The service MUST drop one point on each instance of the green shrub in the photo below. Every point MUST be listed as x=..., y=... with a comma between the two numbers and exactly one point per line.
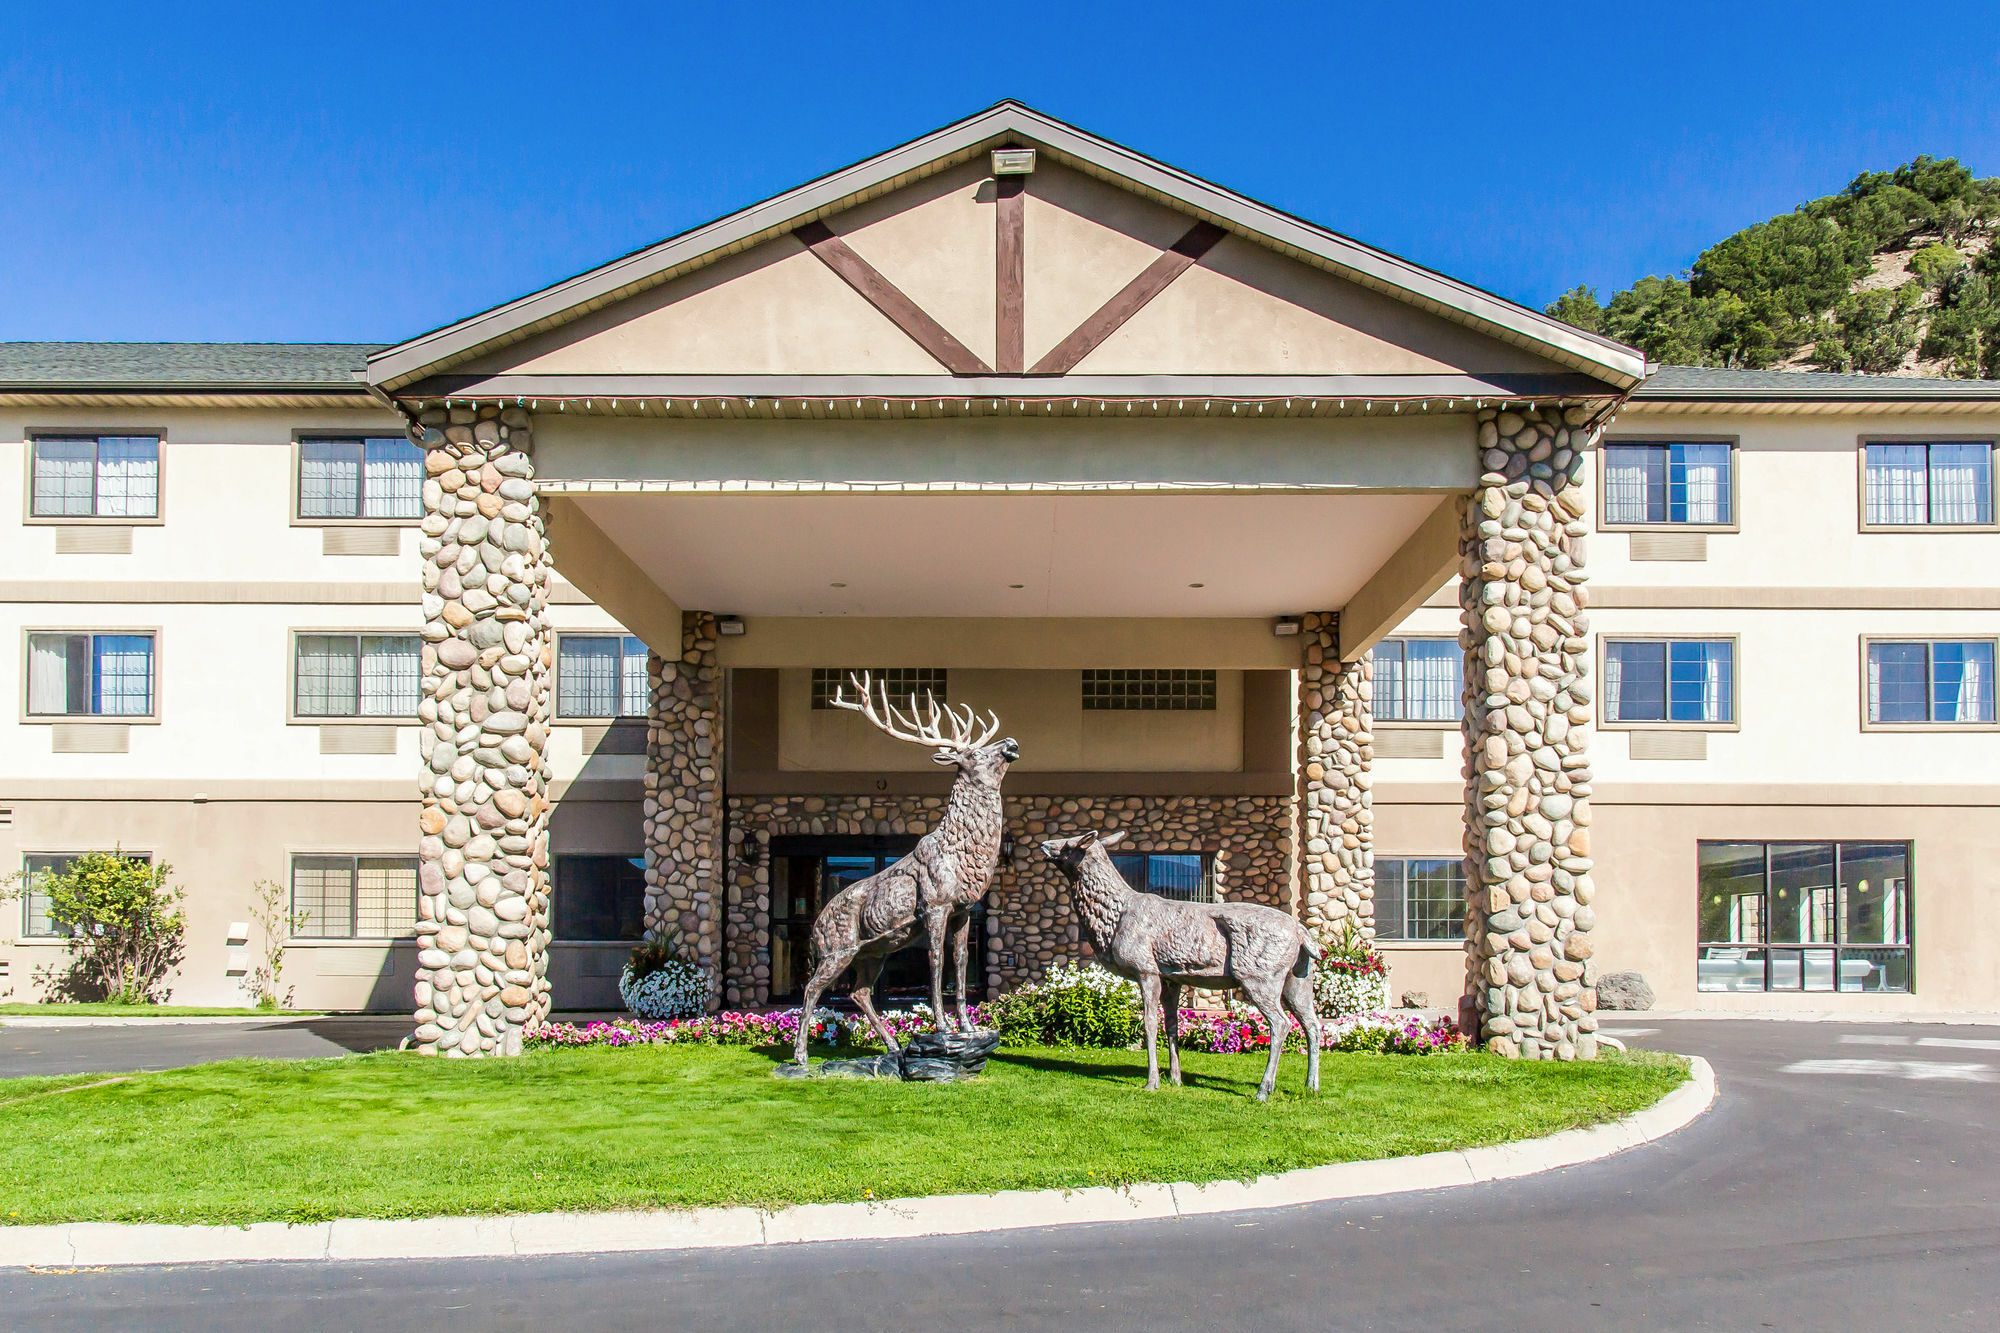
x=1933, y=264
x=126, y=929
x=1074, y=1005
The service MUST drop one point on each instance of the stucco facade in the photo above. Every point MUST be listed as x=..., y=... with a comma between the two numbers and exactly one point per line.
x=1277, y=450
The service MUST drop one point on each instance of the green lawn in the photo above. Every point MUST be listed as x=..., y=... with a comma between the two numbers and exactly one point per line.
x=105, y=1009
x=398, y=1135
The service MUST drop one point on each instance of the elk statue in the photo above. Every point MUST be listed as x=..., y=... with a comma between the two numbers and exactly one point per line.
x=1165, y=945
x=930, y=892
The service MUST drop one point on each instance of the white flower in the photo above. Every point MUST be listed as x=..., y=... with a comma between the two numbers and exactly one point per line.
x=678, y=989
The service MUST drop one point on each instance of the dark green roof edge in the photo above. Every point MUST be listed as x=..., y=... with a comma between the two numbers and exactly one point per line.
x=183, y=367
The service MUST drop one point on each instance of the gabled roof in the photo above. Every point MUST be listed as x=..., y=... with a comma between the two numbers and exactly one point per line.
x=1713, y=384
x=1008, y=123
x=139, y=367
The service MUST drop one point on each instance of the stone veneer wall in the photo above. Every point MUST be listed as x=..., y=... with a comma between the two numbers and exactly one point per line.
x=483, y=900
x=1335, y=805
x=1527, y=729
x=683, y=814
x=1029, y=917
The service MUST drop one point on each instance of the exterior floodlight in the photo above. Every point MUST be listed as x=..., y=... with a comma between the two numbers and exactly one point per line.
x=1285, y=626
x=1013, y=161
x=730, y=625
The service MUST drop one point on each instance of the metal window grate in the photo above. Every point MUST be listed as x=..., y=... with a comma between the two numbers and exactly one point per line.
x=1149, y=691
x=901, y=683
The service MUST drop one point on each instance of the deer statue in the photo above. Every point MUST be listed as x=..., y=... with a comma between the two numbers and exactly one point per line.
x=1165, y=945
x=930, y=892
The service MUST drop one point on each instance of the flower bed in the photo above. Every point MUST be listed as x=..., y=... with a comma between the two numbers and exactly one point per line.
x=1242, y=1028
x=777, y=1028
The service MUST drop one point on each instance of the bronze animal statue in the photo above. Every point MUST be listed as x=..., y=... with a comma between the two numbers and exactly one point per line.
x=1164, y=945
x=930, y=892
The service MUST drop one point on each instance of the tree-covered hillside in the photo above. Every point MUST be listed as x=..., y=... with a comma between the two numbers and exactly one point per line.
x=1896, y=274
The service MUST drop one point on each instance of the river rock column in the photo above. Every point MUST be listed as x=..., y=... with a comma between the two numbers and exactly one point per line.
x=1527, y=738
x=1336, y=808
x=684, y=811
x=482, y=878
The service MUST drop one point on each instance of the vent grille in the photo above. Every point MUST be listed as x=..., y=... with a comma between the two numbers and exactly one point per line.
x=93, y=541
x=74, y=738
x=355, y=962
x=360, y=541
x=6, y=816
x=901, y=683
x=1149, y=691
x=357, y=740
x=1670, y=546
x=1413, y=744
x=614, y=738
x=1669, y=744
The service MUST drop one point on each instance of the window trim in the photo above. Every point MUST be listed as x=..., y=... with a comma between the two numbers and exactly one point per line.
x=1917, y=529
x=21, y=935
x=294, y=718
x=34, y=434
x=1909, y=946
x=554, y=939
x=297, y=451
x=1735, y=524
x=1209, y=857
x=560, y=719
x=1735, y=642
x=151, y=719
x=1923, y=728
x=1423, y=724
x=292, y=854
x=1452, y=944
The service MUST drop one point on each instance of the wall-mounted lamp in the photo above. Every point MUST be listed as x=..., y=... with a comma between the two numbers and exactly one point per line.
x=731, y=626
x=1285, y=626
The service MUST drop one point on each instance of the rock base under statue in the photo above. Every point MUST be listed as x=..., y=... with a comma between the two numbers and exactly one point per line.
x=930, y=1057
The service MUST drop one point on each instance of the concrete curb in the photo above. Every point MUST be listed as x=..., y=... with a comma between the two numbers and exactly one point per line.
x=105, y=1244
x=26, y=1021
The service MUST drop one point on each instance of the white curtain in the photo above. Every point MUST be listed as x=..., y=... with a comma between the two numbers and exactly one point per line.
x=392, y=484
x=48, y=674
x=128, y=476
x=1391, y=683
x=1717, y=701
x=1896, y=484
x=329, y=479
x=1705, y=482
x=634, y=701
x=326, y=675
x=1961, y=483
x=1626, y=474
x=588, y=676
x=1614, y=684
x=1434, y=681
x=389, y=672
x=64, y=473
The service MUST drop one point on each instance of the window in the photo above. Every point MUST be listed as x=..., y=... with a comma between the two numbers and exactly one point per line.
x=35, y=922
x=1186, y=876
x=97, y=476
x=1811, y=916
x=1418, y=680
x=1653, y=680
x=1149, y=691
x=356, y=675
x=90, y=675
x=901, y=684
x=1930, y=681
x=601, y=675
x=355, y=897
x=369, y=478
x=600, y=897
x=1670, y=482
x=1419, y=898
x=1918, y=485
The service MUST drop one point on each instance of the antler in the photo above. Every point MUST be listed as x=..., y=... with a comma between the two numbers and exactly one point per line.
x=968, y=731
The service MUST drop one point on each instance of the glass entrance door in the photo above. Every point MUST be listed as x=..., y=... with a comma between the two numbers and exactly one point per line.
x=805, y=874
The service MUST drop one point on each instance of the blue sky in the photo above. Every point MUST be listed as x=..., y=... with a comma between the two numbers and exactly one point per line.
x=312, y=171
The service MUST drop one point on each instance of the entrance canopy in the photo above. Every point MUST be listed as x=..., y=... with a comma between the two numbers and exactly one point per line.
x=1008, y=371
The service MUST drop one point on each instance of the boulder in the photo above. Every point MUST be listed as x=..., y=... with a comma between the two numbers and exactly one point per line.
x=1624, y=990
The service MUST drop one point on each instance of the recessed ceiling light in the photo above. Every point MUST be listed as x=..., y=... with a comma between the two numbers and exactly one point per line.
x=836, y=585
x=1017, y=585
x=1197, y=585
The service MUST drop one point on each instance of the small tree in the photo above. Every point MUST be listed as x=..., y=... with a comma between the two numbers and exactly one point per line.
x=278, y=923
x=127, y=930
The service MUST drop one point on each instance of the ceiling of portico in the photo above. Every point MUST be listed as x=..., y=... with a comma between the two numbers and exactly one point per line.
x=1072, y=555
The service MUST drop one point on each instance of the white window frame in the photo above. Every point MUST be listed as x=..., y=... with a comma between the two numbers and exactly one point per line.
x=36, y=437
x=32, y=718
x=1606, y=698
x=625, y=655
x=1603, y=463
x=1992, y=483
x=354, y=891
x=292, y=714
x=1454, y=939
x=1869, y=641
x=300, y=519
x=1458, y=681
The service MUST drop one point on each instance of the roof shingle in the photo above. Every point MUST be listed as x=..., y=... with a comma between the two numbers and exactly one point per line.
x=55, y=365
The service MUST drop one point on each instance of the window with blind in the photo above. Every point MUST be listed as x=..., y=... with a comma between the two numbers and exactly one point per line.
x=600, y=897
x=600, y=675
x=1931, y=681
x=376, y=477
x=90, y=675
x=901, y=684
x=1669, y=482
x=356, y=675
x=1680, y=680
x=1419, y=898
x=355, y=897
x=96, y=476
x=1188, y=877
x=36, y=868
x=1149, y=691
x=1916, y=484
x=1419, y=680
